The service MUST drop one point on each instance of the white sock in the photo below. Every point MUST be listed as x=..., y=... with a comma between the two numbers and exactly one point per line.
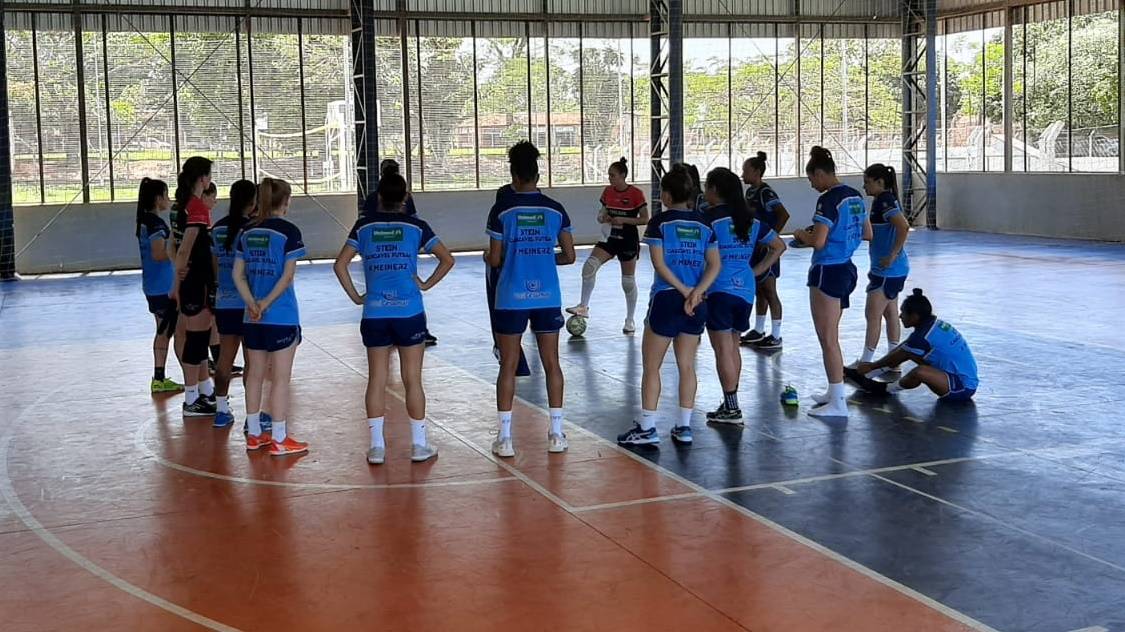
x=760, y=323
x=891, y=345
x=775, y=330
x=589, y=276
x=648, y=419
x=376, y=426
x=685, y=416
x=418, y=431
x=836, y=393
x=191, y=393
x=254, y=423
x=278, y=431
x=207, y=387
x=895, y=387
x=868, y=355
x=556, y=421
x=505, y=417
x=222, y=402
x=629, y=284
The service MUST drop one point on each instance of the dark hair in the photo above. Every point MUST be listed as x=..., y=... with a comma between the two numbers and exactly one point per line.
x=757, y=162
x=146, y=198
x=696, y=183
x=523, y=161
x=387, y=167
x=621, y=167
x=918, y=305
x=678, y=184
x=885, y=174
x=193, y=169
x=243, y=194
x=392, y=191
x=729, y=188
x=820, y=159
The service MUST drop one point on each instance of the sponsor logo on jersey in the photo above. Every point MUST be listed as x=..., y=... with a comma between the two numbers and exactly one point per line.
x=528, y=220
x=689, y=232
x=258, y=241
x=386, y=234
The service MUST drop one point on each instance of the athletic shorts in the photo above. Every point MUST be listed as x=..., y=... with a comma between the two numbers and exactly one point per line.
x=891, y=286
x=666, y=316
x=957, y=391
x=195, y=296
x=622, y=249
x=393, y=332
x=229, y=321
x=157, y=303
x=775, y=269
x=727, y=312
x=260, y=337
x=836, y=280
x=513, y=322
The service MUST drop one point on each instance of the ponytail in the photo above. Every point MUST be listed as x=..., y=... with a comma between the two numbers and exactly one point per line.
x=272, y=194
x=678, y=184
x=918, y=305
x=146, y=198
x=621, y=167
x=884, y=174
x=193, y=169
x=729, y=188
x=242, y=197
x=820, y=159
x=758, y=162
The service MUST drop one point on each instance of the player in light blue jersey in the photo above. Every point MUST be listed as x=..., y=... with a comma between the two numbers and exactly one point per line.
x=388, y=241
x=840, y=225
x=524, y=229
x=264, y=266
x=731, y=300
x=157, y=270
x=685, y=256
x=889, y=264
x=945, y=363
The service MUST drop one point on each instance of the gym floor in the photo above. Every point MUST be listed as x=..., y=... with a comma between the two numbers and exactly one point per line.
x=1006, y=514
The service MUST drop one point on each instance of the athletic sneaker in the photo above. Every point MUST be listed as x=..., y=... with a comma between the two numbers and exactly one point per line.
x=166, y=386
x=752, y=337
x=864, y=382
x=222, y=420
x=502, y=447
x=258, y=442
x=556, y=443
x=630, y=327
x=838, y=410
x=288, y=447
x=682, y=434
x=789, y=396
x=579, y=310
x=419, y=453
x=264, y=420
x=236, y=370
x=199, y=408
x=637, y=436
x=431, y=339
x=724, y=415
x=211, y=399
x=768, y=343
x=376, y=456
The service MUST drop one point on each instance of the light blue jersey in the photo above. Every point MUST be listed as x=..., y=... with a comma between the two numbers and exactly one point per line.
x=388, y=244
x=685, y=236
x=226, y=294
x=266, y=248
x=883, y=208
x=736, y=276
x=944, y=348
x=842, y=210
x=529, y=225
x=156, y=276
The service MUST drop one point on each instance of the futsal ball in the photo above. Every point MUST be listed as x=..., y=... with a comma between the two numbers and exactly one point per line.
x=576, y=326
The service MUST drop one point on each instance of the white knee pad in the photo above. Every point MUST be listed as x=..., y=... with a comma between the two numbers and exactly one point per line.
x=590, y=268
x=629, y=283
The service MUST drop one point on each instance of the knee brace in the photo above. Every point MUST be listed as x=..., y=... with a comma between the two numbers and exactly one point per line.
x=629, y=283
x=590, y=268
x=196, y=346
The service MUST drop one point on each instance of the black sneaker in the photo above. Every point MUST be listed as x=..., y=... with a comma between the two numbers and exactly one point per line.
x=210, y=399
x=236, y=370
x=752, y=337
x=431, y=339
x=199, y=408
x=211, y=366
x=724, y=415
x=769, y=343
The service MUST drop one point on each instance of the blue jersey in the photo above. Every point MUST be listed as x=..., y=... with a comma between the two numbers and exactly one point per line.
x=736, y=276
x=529, y=224
x=266, y=248
x=685, y=236
x=842, y=210
x=388, y=244
x=226, y=294
x=156, y=276
x=943, y=347
x=883, y=236
x=763, y=202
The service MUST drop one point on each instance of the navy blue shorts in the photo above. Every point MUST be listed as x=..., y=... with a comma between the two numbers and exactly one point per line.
x=157, y=303
x=260, y=337
x=229, y=321
x=957, y=391
x=393, y=332
x=513, y=322
x=666, y=315
x=727, y=312
x=775, y=269
x=836, y=280
x=891, y=286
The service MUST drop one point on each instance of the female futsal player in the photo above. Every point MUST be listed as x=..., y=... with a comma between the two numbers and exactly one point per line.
x=889, y=264
x=731, y=299
x=840, y=224
x=524, y=228
x=769, y=210
x=945, y=363
x=156, y=273
x=388, y=242
x=264, y=266
x=191, y=287
x=624, y=208
x=686, y=259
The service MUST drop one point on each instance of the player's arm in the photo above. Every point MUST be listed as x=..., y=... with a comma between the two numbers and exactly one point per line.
x=902, y=231
x=640, y=220
x=243, y=286
x=775, y=249
x=347, y=253
x=282, y=284
x=445, y=264
x=782, y=217
x=817, y=237
x=656, y=253
x=495, y=254
x=182, y=255
x=566, y=254
x=868, y=231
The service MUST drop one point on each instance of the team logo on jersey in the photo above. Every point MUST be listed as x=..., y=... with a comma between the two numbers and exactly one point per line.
x=386, y=234
x=944, y=326
x=533, y=285
x=527, y=220
x=689, y=232
x=856, y=207
x=258, y=241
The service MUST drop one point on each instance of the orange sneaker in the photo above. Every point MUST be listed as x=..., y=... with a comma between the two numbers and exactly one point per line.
x=288, y=447
x=257, y=443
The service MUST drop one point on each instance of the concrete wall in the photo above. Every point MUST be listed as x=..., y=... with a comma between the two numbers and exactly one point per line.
x=100, y=236
x=1075, y=206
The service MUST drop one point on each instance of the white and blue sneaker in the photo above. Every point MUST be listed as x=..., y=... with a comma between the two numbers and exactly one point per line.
x=638, y=436
x=222, y=420
x=265, y=420
x=681, y=434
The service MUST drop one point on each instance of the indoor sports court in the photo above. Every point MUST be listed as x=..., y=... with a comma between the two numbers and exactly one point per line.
x=407, y=315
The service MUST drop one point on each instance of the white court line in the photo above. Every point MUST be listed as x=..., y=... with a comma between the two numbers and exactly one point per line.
x=1093, y=628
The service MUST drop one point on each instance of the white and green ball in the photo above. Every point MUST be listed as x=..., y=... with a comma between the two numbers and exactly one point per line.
x=576, y=326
